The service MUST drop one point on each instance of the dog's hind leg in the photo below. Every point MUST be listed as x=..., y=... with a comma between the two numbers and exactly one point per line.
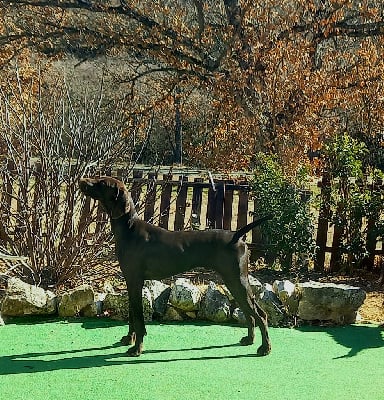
x=242, y=292
x=261, y=321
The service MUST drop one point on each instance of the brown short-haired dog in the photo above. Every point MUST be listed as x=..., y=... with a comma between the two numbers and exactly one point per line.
x=146, y=251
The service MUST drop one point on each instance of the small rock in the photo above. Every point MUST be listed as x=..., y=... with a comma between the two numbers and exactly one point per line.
x=256, y=285
x=288, y=294
x=147, y=304
x=239, y=316
x=191, y=314
x=172, y=314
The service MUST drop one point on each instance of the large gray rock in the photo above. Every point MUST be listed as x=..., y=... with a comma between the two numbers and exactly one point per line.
x=215, y=305
x=271, y=304
x=256, y=286
x=76, y=302
x=116, y=305
x=24, y=299
x=185, y=296
x=329, y=302
x=160, y=293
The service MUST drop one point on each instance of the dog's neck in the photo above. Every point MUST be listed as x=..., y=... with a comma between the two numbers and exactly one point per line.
x=128, y=218
x=132, y=209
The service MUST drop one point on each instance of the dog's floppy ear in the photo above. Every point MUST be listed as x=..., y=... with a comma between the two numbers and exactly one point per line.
x=121, y=205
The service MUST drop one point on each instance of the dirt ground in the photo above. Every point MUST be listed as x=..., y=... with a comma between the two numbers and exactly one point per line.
x=373, y=308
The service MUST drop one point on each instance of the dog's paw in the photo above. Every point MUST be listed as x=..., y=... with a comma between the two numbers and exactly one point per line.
x=128, y=339
x=264, y=350
x=246, y=341
x=135, y=351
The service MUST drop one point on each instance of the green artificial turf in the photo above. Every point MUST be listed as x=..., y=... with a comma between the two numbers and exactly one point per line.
x=80, y=359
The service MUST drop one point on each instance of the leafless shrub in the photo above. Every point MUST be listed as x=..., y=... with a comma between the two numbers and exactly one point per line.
x=50, y=143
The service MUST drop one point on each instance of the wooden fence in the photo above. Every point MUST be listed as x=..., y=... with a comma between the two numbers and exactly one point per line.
x=178, y=202
x=228, y=205
x=329, y=237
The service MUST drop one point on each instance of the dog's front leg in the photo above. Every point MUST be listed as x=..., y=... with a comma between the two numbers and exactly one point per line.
x=136, y=319
x=131, y=337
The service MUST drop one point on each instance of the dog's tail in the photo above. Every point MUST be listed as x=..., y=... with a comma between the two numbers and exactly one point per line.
x=242, y=231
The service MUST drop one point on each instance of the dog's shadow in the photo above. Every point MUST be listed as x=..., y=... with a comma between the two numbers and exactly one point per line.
x=356, y=338
x=76, y=359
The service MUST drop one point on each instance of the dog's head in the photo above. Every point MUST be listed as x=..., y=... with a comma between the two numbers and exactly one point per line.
x=111, y=193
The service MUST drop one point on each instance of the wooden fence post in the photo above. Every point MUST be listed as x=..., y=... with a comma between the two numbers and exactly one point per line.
x=371, y=240
x=322, y=229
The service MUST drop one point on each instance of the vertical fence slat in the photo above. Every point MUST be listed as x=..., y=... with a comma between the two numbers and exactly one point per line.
x=242, y=213
x=197, y=199
x=228, y=203
x=150, y=198
x=165, y=201
x=256, y=232
x=219, y=208
x=211, y=207
x=136, y=185
x=369, y=261
x=181, y=203
x=335, y=262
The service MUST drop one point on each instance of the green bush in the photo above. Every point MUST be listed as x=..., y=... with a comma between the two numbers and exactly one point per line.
x=352, y=196
x=289, y=235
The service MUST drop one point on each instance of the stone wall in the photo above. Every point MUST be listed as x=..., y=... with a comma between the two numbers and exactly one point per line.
x=285, y=303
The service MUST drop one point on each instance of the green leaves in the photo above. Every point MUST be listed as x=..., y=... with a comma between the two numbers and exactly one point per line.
x=345, y=156
x=291, y=230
